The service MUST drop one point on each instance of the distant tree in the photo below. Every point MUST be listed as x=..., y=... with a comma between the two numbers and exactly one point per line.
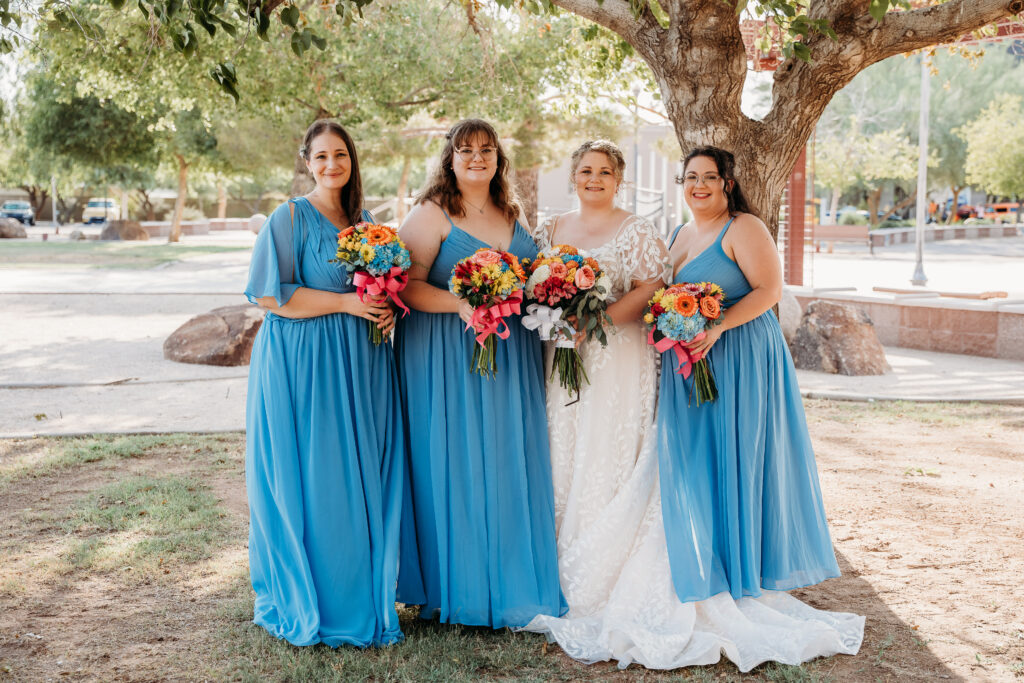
x=995, y=148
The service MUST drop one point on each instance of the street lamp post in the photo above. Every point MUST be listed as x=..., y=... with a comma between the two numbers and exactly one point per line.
x=919, y=278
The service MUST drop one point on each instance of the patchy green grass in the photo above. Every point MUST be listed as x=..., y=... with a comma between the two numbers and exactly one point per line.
x=93, y=254
x=148, y=520
x=64, y=454
x=899, y=412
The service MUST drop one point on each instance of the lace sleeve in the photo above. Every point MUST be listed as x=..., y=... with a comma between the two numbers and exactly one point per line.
x=542, y=233
x=647, y=254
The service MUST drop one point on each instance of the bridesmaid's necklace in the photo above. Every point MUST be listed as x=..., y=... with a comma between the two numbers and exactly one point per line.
x=475, y=206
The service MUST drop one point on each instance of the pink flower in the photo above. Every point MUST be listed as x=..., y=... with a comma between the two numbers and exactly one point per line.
x=585, y=277
x=693, y=289
x=558, y=270
x=487, y=258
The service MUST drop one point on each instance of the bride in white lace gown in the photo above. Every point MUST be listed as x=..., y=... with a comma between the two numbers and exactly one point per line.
x=613, y=560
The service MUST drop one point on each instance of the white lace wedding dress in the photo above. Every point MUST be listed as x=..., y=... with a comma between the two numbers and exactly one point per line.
x=613, y=560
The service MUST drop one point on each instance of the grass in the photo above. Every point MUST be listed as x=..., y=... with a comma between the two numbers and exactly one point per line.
x=899, y=412
x=147, y=520
x=94, y=254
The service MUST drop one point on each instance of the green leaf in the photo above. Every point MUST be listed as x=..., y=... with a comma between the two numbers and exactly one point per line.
x=802, y=52
x=659, y=13
x=877, y=9
x=307, y=39
x=321, y=43
x=297, y=46
x=290, y=16
x=117, y=4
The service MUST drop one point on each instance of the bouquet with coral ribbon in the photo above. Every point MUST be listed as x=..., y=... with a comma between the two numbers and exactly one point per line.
x=565, y=283
x=492, y=282
x=377, y=262
x=681, y=314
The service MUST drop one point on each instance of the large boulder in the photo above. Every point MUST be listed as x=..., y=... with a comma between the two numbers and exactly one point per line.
x=124, y=230
x=223, y=336
x=789, y=314
x=10, y=228
x=838, y=338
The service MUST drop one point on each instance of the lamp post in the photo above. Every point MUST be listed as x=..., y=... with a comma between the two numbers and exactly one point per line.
x=919, y=279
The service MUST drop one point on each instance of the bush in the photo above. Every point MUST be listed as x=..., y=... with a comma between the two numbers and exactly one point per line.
x=896, y=223
x=851, y=218
x=191, y=213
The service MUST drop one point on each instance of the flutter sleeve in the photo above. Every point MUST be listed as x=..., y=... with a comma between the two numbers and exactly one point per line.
x=647, y=257
x=272, y=268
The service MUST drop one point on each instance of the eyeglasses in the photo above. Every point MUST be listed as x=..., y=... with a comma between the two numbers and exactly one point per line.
x=707, y=178
x=468, y=153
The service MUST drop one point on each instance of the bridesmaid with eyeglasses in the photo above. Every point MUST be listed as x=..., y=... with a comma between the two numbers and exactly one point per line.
x=478, y=535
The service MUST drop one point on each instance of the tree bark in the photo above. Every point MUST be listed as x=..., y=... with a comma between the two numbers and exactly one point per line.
x=952, y=210
x=37, y=195
x=526, y=188
x=403, y=189
x=700, y=63
x=837, y=194
x=222, y=200
x=179, y=203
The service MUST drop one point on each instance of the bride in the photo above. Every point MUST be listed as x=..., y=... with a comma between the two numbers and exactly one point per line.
x=613, y=560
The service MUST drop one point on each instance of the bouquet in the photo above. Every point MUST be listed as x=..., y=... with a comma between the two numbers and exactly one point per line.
x=492, y=282
x=377, y=261
x=566, y=283
x=680, y=314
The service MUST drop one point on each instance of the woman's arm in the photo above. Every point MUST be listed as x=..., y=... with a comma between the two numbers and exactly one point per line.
x=423, y=231
x=632, y=304
x=757, y=255
x=310, y=303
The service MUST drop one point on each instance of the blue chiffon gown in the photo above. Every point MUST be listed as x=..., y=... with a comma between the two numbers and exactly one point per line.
x=739, y=486
x=481, y=520
x=324, y=465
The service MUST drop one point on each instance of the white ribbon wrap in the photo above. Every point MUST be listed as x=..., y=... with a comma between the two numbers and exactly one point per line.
x=549, y=325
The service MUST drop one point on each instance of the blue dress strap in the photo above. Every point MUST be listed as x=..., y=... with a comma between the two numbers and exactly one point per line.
x=675, y=233
x=722, y=234
x=450, y=221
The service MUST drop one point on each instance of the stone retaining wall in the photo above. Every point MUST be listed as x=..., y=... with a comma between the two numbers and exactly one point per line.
x=992, y=328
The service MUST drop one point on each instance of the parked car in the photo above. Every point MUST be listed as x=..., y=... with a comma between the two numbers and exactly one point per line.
x=19, y=210
x=100, y=211
x=1003, y=212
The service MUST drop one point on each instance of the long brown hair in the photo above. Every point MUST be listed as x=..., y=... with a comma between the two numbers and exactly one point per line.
x=442, y=187
x=726, y=164
x=352, y=193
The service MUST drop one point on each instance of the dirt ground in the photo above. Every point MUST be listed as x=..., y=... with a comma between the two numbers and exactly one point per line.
x=925, y=503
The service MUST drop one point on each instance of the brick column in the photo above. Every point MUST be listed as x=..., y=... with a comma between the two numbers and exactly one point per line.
x=796, y=225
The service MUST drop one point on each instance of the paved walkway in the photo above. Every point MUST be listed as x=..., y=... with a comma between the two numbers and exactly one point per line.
x=81, y=351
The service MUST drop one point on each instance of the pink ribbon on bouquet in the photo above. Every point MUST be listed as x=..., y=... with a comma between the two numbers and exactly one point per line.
x=488, y=320
x=389, y=284
x=684, y=357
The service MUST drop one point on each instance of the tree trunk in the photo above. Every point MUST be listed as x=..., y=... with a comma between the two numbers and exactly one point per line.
x=403, y=189
x=837, y=194
x=179, y=203
x=526, y=188
x=37, y=195
x=222, y=200
x=874, y=199
x=302, y=182
x=952, y=210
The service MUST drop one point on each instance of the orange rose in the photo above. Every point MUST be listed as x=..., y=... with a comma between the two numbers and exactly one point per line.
x=686, y=305
x=558, y=270
x=710, y=308
x=346, y=232
x=592, y=263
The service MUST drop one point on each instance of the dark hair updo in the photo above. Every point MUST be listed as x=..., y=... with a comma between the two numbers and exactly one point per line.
x=725, y=162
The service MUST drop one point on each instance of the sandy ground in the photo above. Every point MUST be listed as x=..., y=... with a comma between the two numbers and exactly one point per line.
x=924, y=503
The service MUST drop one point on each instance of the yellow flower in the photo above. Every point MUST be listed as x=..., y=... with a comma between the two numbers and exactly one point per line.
x=367, y=253
x=477, y=278
x=649, y=318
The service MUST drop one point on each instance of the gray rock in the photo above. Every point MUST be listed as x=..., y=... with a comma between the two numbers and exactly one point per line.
x=11, y=229
x=789, y=314
x=124, y=230
x=838, y=338
x=256, y=222
x=223, y=336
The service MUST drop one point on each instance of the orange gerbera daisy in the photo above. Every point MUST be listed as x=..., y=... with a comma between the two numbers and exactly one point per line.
x=686, y=305
x=378, y=234
x=710, y=308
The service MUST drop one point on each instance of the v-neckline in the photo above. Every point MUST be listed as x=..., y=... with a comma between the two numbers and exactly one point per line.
x=515, y=227
x=717, y=241
x=324, y=218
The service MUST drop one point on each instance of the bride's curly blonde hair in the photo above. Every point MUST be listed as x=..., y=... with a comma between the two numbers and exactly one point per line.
x=606, y=147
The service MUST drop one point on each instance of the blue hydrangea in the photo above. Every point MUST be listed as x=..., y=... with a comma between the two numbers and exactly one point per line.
x=680, y=328
x=573, y=257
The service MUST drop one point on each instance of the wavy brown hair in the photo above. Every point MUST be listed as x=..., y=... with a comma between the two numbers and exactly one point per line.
x=442, y=186
x=726, y=164
x=352, y=193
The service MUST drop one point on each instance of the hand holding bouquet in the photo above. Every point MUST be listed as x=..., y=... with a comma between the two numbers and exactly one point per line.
x=377, y=262
x=679, y=315
x=492, y=282
x=564, y=284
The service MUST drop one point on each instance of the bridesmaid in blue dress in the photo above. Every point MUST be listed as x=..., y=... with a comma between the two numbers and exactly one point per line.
x=740, y=496
x=481, y=521
x=324, y=462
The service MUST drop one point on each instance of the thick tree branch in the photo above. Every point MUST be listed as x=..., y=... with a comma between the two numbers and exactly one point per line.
x=612, y=14
x=905, y=31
